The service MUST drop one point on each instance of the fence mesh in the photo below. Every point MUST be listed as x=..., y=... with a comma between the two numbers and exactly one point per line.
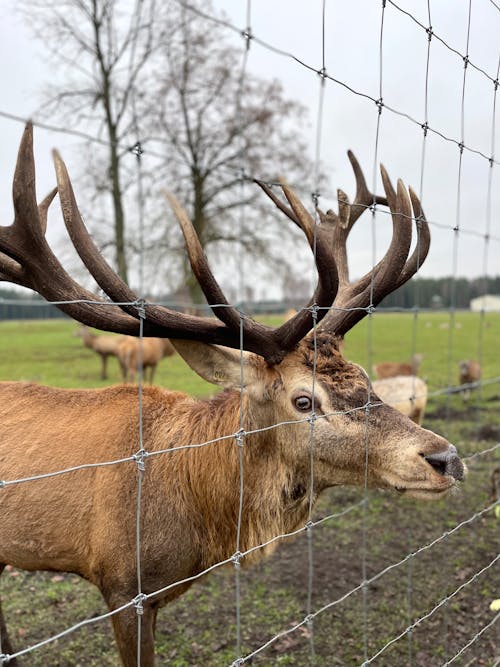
x=459, y=232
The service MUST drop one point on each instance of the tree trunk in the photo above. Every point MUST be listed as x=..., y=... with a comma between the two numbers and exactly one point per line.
x=199, y=223
x=119, y=218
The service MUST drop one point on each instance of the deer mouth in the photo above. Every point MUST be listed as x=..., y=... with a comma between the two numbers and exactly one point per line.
x=444, y=470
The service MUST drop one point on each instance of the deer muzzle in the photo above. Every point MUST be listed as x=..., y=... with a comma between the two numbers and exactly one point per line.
x=447, y=463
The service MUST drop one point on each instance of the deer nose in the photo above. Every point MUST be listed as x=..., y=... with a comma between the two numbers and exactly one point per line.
x=447, y=462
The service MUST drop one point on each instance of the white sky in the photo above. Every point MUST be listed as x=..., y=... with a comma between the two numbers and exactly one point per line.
x=352, y=56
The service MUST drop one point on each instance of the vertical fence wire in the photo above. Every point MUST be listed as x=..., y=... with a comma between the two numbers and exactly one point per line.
x=240, y=437
x=454, y=275
x=365, y=506
x=137, y=150
x=315, y=195
x=488, y=221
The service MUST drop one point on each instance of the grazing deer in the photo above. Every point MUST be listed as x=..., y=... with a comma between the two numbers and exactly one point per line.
x=147, y=353
x=84, y=521
x=104, y=346
x=469, y=374
x=390, y=369
x=406, y=393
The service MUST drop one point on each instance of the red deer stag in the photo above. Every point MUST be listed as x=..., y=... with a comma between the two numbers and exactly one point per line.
x=148, y=353
x=84, y=521
x=469, y=376
x=104, y=346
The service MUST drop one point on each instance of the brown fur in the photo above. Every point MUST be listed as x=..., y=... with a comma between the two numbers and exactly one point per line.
x=132, y=352
x=84, y=521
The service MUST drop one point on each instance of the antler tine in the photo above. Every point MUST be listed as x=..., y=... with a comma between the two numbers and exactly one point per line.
x=166, y=323
x=393, y=261
x=277, y=201
x=272, y=344
x=298, y=326
x=43, y=209
x=393, y=270
x=364, y=197
x=201, y=269
x=26, y=259
x=340, y=224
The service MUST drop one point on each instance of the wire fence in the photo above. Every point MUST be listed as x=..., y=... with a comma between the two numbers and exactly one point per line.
x=360, y=506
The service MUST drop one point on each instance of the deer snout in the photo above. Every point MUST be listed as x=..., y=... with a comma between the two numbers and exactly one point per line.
x=447, y=462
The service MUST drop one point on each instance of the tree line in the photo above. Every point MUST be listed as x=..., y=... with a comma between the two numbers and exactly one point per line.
x=426, y=293
x=439, y=293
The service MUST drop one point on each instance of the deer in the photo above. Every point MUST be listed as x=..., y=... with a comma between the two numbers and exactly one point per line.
x=469, y=376
x=104, y=346
x=147, y=353
x=406, y=393
x=195, y=454
x=389, y=369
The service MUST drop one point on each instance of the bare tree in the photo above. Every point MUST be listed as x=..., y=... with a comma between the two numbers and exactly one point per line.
x=218, y=127
x=163, y=74
x=101, y=48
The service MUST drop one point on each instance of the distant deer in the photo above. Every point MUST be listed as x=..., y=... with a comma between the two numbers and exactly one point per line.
x=84, y=521
x=406, y=393
x=104, y=346
x=469, y=374
x=149, y=352
x=389, y=369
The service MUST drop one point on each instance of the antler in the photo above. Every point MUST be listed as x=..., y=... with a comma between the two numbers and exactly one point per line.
x=26, y=259
x=353, y=299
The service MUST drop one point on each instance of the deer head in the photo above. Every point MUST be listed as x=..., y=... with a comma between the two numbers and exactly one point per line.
x=294, y=372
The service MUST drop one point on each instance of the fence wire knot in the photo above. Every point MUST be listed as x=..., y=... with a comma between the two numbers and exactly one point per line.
x=425, y=128
x=322, y=73
x=137, y=149
x=239, y=436
x=370, y=309
x=139, y=459
x=138, y=603
x=309, y=619
x=461, y=147
x=238, y=662
x=309, y=525
x=315, y=198
x=380, y=104
x=312, y=418
x=4, y=658
x=314, y=312
x=429, y=32
x=140, y=305
x=2, y=483
x=247, y=35
x=236, y=558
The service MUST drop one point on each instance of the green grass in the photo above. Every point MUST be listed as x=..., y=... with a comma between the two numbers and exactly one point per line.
x=49, y=353
x=200, y=627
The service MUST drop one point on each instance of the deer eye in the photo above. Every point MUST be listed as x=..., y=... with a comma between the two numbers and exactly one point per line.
x=303, y=403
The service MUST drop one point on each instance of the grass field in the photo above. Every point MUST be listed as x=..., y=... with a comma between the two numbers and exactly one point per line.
x=200, y=628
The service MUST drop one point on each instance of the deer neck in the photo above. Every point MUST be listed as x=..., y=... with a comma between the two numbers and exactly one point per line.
x=275, y=496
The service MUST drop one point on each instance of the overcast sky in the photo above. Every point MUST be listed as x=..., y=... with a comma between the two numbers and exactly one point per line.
x=355, y=59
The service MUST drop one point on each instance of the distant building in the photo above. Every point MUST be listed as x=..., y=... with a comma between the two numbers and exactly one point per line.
x=488, y=303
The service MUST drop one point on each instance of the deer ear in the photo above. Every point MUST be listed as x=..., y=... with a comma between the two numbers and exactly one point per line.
x=217, y=364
